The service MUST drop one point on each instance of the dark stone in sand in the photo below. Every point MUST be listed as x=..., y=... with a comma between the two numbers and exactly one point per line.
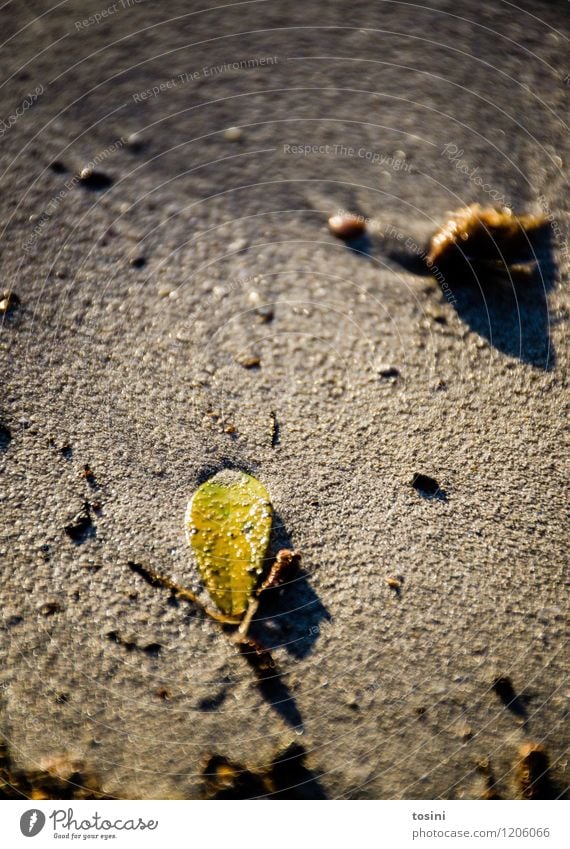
x=96, y=181
x=57, y=167
x=388, y=371
x=425, y=484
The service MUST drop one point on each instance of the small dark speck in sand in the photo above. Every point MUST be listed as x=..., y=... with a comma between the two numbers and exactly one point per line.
x=5, y=437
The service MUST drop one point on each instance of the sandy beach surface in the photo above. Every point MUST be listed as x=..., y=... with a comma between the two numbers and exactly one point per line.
x=183, y=308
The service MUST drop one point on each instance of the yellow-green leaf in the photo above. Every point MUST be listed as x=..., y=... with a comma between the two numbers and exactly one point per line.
x=228, y=523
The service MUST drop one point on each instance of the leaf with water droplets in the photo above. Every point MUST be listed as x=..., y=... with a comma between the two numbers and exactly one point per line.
x=228, y=524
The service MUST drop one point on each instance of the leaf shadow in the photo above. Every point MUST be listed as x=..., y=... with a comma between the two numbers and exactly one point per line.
x=215, y=466
x=290, y=616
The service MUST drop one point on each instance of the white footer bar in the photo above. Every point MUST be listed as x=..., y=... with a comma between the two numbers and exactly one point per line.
x=286, y=825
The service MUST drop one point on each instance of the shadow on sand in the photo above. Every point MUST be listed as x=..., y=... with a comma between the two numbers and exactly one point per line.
x=507, y=304
x=289, y=617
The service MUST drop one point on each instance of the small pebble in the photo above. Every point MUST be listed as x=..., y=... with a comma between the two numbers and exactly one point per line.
x=249, y=361
x=347, y=226
x=436, y=315
x=265, y=311
x=465, y=732
x=135, y=142
x=238, y=246
x=138, y=261
x=49, y=608
x=95, y=180
x=232, y=134
x=8, y=301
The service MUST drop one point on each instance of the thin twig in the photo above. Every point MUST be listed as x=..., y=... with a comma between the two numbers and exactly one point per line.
x=156, y=580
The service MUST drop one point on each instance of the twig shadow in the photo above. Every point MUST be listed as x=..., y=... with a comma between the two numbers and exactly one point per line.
x=270, y=683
